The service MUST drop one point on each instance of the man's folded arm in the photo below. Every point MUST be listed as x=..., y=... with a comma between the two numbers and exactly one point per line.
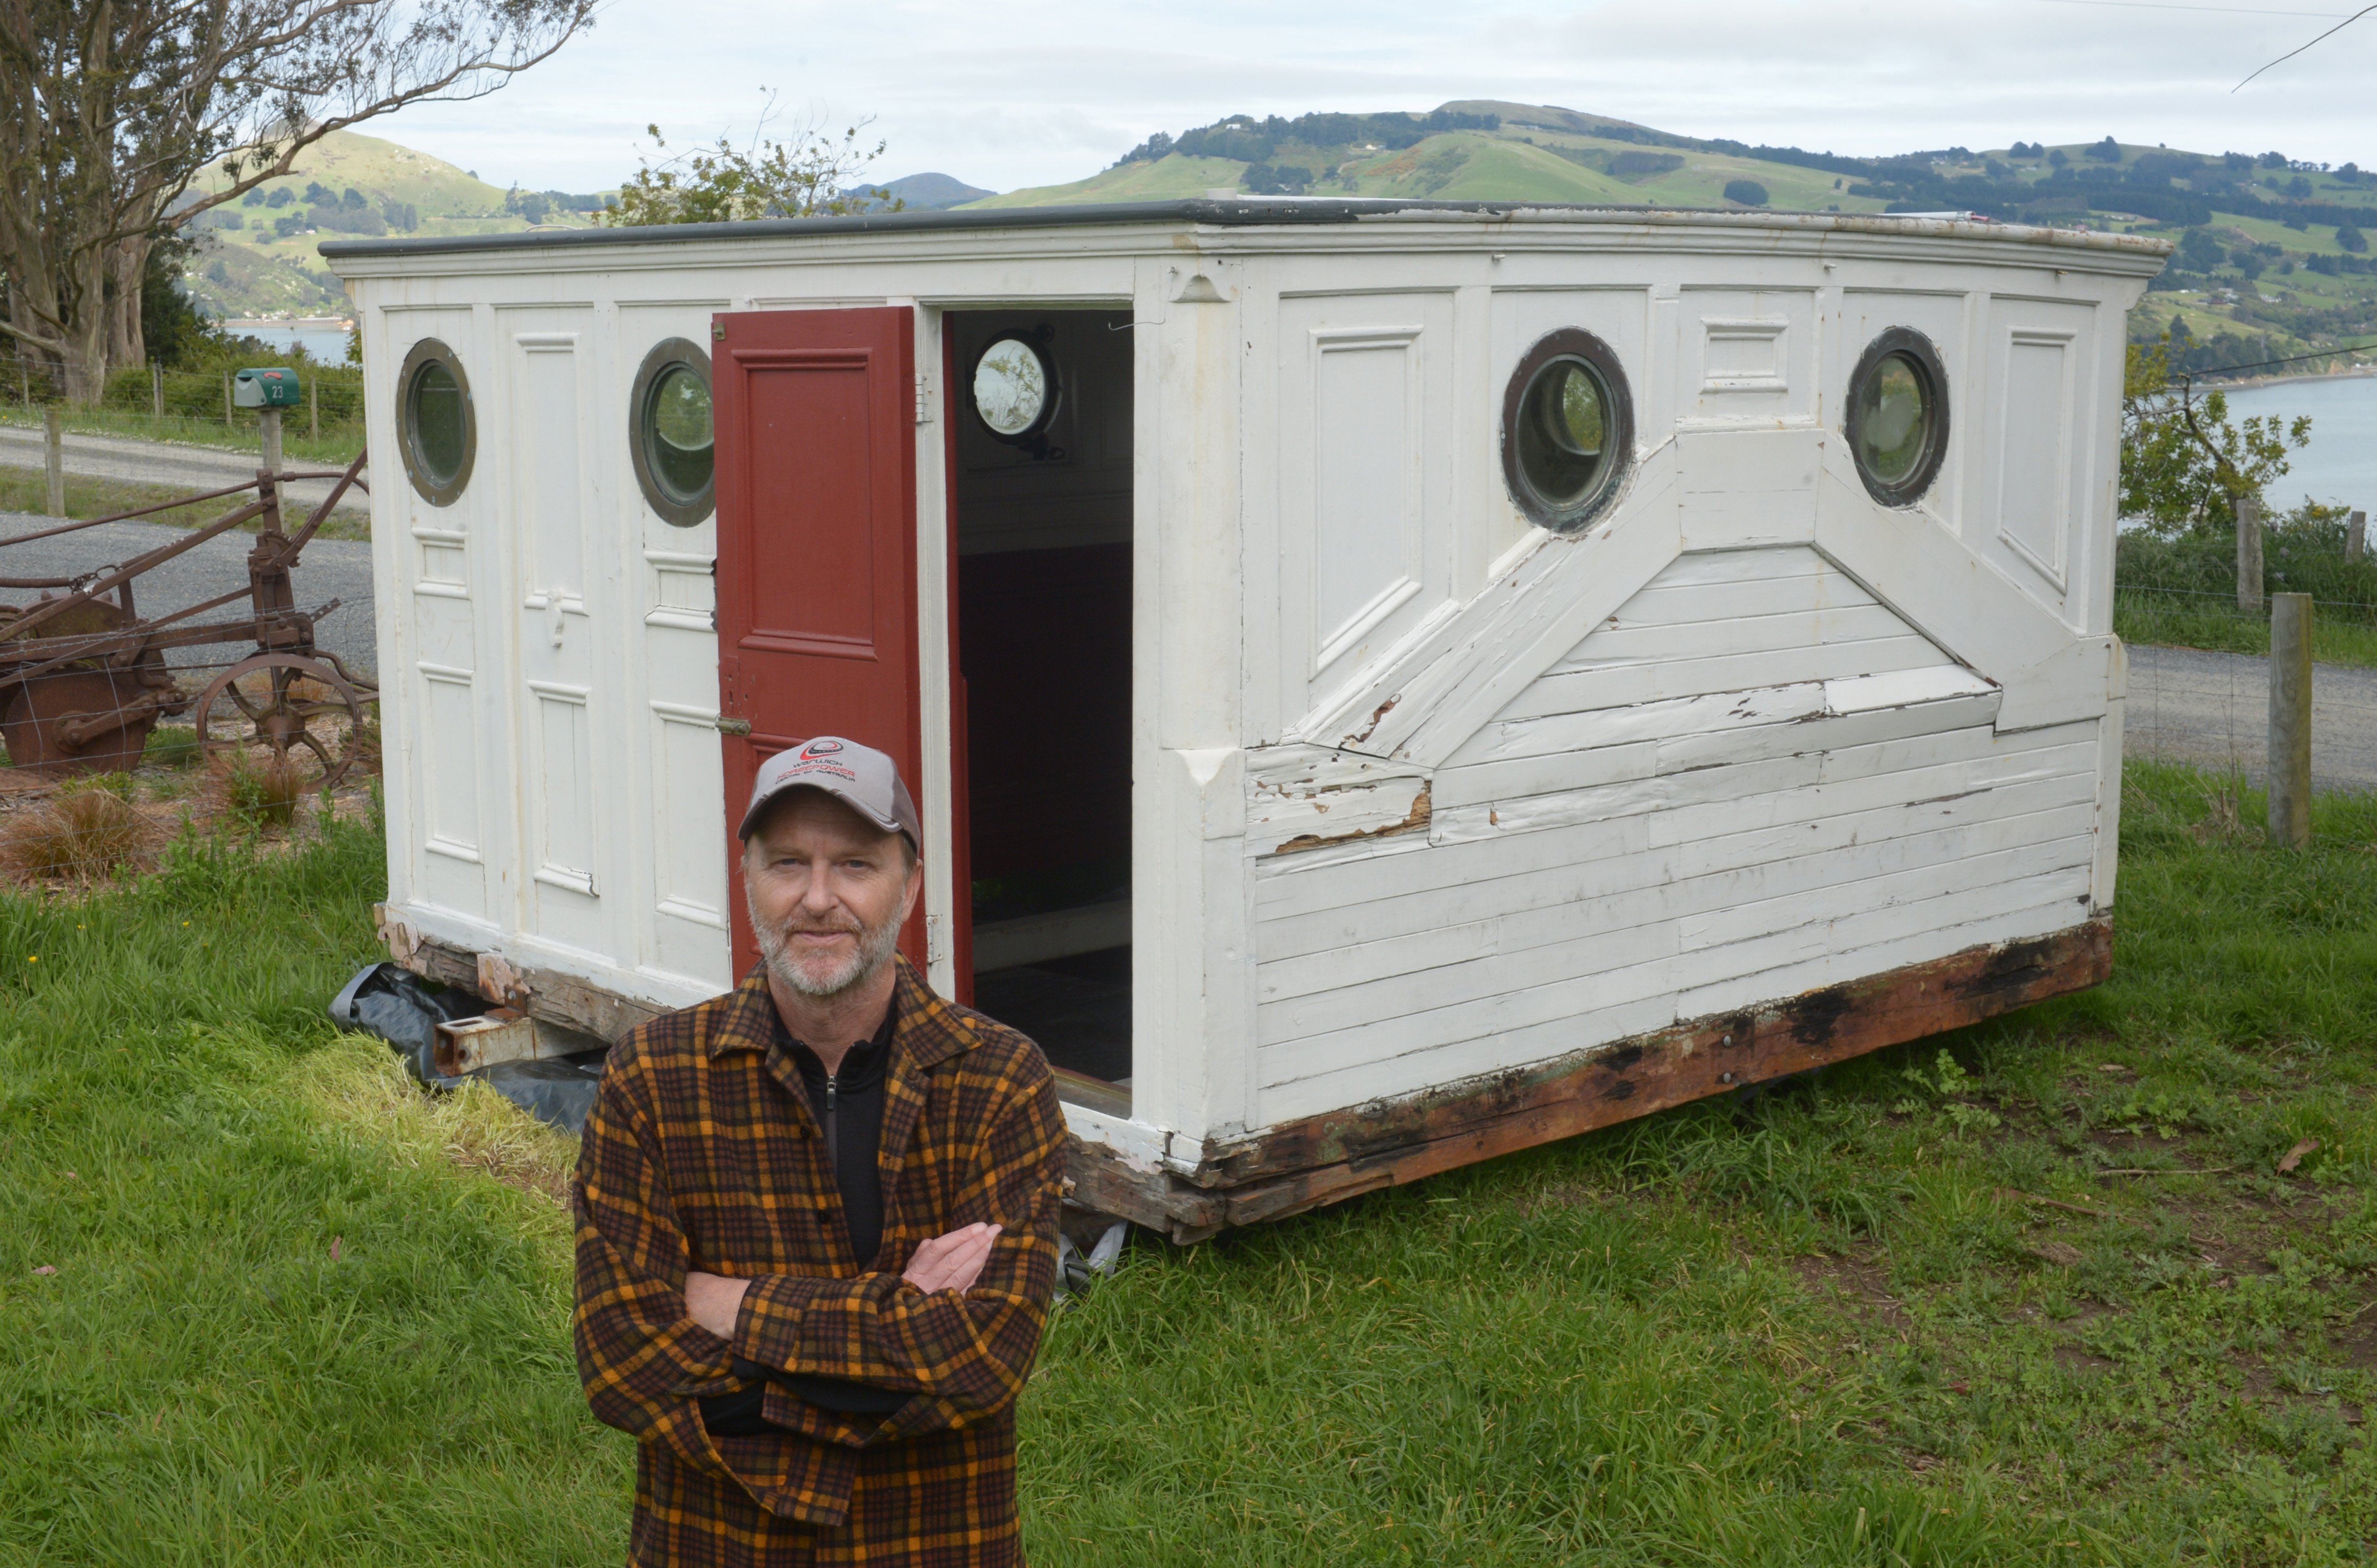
x=642, y=1359
x=960, y=1356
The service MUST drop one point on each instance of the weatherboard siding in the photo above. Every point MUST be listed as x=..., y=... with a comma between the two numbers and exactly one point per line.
x=1749, y=780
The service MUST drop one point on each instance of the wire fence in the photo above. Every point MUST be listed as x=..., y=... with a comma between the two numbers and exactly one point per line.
x=194, y=407
x=2199, y=684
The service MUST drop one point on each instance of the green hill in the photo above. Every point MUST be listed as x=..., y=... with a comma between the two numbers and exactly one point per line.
x=2273, y=259
x=257, y=256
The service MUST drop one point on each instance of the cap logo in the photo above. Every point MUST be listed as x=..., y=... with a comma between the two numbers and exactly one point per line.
x=819, y=748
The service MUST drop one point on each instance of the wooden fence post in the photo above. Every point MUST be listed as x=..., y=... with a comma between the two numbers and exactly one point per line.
x=157, y=387
x=53, y=459
x=2355, y=535
x=226, y=399
x=2290, y=721
x=314, y=408
x=2249, y=552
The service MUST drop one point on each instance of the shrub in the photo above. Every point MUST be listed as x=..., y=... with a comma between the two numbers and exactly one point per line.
x=2348, y=237
x=1749, y=193
x=264, y=792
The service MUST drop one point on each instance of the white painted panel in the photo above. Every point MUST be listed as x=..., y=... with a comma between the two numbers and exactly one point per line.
x=689, y=869
x=2035, y=455
x=552, y=474
x=450, y=762
x=564, y=770
x=1749, y=356
x=1366, y=529
x=1367, y=439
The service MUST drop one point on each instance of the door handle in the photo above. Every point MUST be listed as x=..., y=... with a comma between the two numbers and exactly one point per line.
x=733, y=726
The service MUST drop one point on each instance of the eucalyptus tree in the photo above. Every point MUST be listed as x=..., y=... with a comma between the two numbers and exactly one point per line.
x=111, y=110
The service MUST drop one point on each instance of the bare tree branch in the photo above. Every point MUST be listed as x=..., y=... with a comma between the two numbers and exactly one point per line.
x=114, y=108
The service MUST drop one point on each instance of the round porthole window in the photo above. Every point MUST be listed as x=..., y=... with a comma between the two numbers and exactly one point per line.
x=1898, y=416
x=1568, y=424
x=671, y=433
x=436, y=430
x=1016, y=391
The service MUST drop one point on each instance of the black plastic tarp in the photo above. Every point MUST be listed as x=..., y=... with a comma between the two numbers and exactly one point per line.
x=405, y=1010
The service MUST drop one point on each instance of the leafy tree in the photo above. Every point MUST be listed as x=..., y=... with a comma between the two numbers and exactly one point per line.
x=115, y=107
x=810, y=176
x=2349, y=237
x=2184, y=464
x=1749, y=193
x=2106, y=151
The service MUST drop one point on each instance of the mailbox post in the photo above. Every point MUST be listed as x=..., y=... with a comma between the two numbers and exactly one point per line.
x=267, y=391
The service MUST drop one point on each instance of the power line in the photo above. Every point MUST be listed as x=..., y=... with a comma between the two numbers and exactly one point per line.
x=2173, y=6
x=2329, y=33
x=2294, y=359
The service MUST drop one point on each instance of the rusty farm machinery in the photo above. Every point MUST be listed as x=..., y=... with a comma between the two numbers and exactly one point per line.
x=84, y=677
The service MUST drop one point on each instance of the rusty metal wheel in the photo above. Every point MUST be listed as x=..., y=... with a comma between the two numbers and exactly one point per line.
x=304, y=712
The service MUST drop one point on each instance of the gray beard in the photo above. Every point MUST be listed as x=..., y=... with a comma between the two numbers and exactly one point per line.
x=876, y=946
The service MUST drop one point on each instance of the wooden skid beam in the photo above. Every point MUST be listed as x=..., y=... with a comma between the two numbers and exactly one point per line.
x=1325, y=1160
x=1342, y=1154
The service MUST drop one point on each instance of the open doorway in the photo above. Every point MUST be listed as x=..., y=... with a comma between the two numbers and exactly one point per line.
x=1041, y=507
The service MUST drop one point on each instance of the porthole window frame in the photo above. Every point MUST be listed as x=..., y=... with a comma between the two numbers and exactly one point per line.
x=1918, y=350
x=1617, y=429
x=667, y=355
x=433, y=350
x=1034, y=437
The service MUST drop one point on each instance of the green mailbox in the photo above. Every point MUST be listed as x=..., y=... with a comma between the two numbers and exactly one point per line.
x=270, y=388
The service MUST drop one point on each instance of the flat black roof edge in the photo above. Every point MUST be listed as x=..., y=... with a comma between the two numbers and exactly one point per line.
x=1207, y=209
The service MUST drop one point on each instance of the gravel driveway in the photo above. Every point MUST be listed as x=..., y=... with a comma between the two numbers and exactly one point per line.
x=2213, y=709
x=331, y=568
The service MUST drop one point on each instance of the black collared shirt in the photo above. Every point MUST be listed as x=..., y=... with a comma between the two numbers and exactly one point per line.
x=848, y=1105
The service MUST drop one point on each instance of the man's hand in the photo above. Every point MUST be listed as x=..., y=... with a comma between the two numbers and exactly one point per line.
x=952, y=1262
x=712, y=1300
x=946, y=1262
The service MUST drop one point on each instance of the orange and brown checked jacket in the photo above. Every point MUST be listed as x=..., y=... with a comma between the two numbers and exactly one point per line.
x=701, y=1153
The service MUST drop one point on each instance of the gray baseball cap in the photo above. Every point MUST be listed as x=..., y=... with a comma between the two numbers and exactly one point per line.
x=860, y=777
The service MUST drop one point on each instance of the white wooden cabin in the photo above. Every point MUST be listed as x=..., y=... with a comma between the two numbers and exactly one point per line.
x=1510, y=669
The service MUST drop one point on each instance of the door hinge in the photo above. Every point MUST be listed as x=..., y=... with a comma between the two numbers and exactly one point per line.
x=923, y=405
x=718, y=332
x=734, y=726
x=936, y=946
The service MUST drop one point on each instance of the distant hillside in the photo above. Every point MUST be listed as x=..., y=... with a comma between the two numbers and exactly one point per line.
x=2271, y=261
x=257, y=257
x=928, y=192
x=1485, y=149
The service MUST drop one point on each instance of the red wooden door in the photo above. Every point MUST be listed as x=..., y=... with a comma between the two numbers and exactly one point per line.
x=817, y=547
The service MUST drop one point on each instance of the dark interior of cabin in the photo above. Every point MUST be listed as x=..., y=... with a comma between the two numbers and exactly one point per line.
x=1042, y=476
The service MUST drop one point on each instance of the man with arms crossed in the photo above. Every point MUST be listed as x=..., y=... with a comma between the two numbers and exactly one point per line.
x=816, y=1221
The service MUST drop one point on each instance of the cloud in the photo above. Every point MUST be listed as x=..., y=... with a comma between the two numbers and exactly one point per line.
x=1009, y=95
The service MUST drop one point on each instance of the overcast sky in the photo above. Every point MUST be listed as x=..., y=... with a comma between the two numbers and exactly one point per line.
x=1003, y=95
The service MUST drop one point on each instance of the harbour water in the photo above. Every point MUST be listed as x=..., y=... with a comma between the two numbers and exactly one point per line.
x=2339, y=466
x=327, y=344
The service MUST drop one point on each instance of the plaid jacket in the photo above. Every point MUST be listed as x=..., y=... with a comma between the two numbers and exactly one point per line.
x=701, y=1153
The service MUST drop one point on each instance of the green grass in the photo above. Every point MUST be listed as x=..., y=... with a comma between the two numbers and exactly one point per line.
x=27, y=490
x=1812, y=1329
x=201, y=1382
x=336, y=448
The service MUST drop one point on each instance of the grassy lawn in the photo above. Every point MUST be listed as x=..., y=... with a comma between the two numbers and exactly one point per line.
x=27, y=490
x=334, y=447
x=2036, y=1292
x=2208, y=622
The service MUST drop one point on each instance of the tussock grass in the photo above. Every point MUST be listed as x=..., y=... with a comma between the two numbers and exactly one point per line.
x=262, y=790
x=1843, y=1322
x=85, y=831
